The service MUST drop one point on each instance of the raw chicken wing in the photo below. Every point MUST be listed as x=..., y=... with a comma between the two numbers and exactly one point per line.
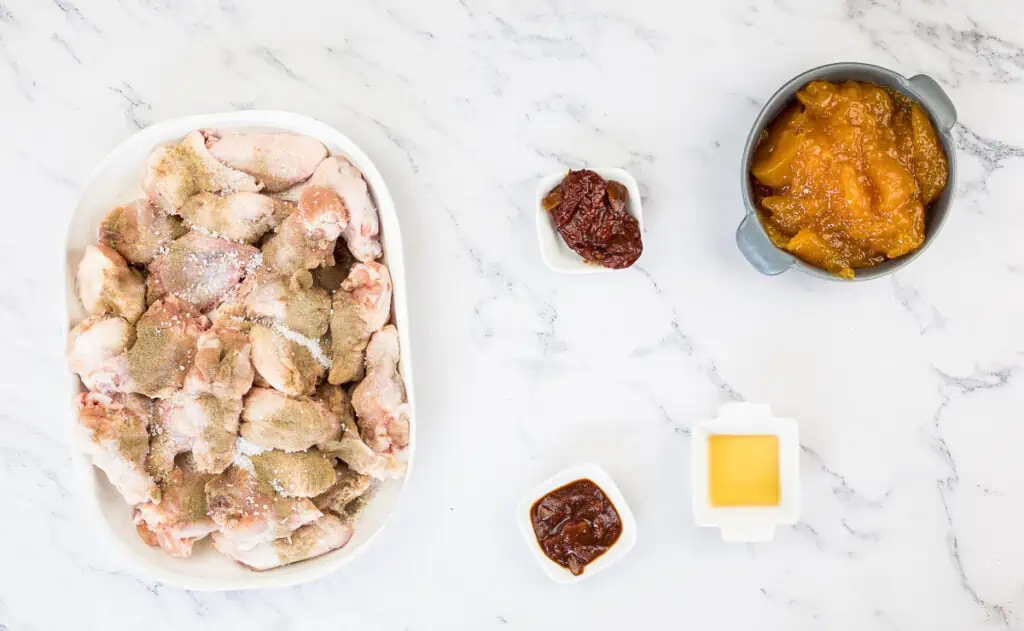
x=93, y=343
x=107, y=285
x=307, y=237
x=115, y=432
x=180, y=518
x=295, y=474
x=223, y=364
x=286, y=360
x=294, y=302
x=349, y=446
x=272, y=420
x=203, y=424
x=360, y=308
x=138, y=231
x=164, y=349
x=175, y=173
x=326, y=534
x=379, y=400
x=278, y=160
x=348, y=486
x=240, y=216
x=200, y=269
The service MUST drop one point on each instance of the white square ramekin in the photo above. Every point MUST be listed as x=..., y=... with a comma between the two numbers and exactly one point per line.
x=621, y=547
x=556, y=254
x=747, y=523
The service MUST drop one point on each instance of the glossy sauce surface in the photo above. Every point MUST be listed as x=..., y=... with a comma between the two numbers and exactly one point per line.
x=575, y=524
x=844, y=176
x=743, y=470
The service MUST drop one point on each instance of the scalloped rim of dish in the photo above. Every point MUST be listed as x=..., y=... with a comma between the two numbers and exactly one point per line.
x=89, y=480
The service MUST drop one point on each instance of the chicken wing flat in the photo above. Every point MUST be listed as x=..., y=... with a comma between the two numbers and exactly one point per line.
x=138, y=231
x=239, y=216
x=350, y=446
x=307, y=237
x=175, y=173
x=292, y=301
x=348, y=486
x=93, y=343
x=163, y=353
x=326, y=534
x=295, y=474
x=203, y=424
x=180, y=518
x=278, y=160
x=360, y=308
x=272, y=420
x=287, y=362
x=379, y=399
x=106, y=284
x=200, y=269
x=115, y=430
x=223, y=364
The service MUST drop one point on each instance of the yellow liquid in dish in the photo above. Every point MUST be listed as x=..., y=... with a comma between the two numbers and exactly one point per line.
x=743, y=470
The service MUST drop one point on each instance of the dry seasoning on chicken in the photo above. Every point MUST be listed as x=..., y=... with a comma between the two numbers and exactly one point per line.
x=206, y=356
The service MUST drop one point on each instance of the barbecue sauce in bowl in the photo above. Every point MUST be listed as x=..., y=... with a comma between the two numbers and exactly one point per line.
x=575, y=524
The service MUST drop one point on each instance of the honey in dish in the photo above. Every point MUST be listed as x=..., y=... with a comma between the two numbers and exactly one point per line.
x=743, y=470
x=844, y=176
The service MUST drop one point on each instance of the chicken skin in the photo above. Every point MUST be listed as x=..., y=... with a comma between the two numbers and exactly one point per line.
x=326, y=534
x=200, y=269
x=379, y=399
x=288, y=365
x=180, y=518
x=272, y=420
x=278, y=160
x=295, y=474
x=223, y=364
x=115, y=433
x=360, y=308
x=175, y=173
x=239, y=216
x=93, y=343
x=106, y=284
x=203, y=424
x=350, y=446
x=307, y=237
x=293, y=302
x=138, y=231
x=163, y=353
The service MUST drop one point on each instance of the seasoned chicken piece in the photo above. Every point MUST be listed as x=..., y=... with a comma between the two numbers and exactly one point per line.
x=326, y=534
x=379, y=399
x=287, y=361
x=293, y=302
x=360, y=309
x=307, y=237
x=249, y=512
x=239, y=216
x=138, y=231
x=279, y=160
x=175, y=173
x=164, y=349
x=93, y=343
x=200, y=423
x=200, y=269
x=349, y=446
x=274, y=421
x=180, y=518
x=115, y=433
x=341, y=176
x=223, y=364
x=107, y=285
x=348, y=486
x=295, y=474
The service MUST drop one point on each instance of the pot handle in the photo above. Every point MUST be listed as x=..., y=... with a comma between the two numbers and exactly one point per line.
x=759, y=250
x=942, y=108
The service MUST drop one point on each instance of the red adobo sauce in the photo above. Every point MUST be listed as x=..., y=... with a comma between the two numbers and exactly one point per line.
x=575, y=524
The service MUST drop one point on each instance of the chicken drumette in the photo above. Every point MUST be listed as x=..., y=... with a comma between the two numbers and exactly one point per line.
x=278, y=160
x=106, y=284
x=115, y=432
x=349, y=446
x=138, y=231
x=307, y=237
x=239, y=216
x=360, y=308
x=379, y=399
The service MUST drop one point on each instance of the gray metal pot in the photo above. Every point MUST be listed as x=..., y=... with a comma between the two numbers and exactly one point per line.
x=751, y=237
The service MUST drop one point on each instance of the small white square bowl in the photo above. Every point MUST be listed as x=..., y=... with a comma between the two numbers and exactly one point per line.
x=747, y=523
x=597, y=475
x=556, y=254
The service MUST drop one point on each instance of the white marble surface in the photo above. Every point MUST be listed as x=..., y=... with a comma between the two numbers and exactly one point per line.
x=912, y=476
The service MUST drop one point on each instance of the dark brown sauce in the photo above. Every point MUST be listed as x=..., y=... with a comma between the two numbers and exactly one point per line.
x=590, y=215
x=575, y=524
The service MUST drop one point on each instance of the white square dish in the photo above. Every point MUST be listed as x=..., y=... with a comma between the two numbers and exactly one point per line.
x=597, y=475
x=556, y=254
x=117, y=180
x=747, y=523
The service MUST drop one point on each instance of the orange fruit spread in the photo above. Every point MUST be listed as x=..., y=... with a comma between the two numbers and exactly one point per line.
x=843, y=177
x=743, y=470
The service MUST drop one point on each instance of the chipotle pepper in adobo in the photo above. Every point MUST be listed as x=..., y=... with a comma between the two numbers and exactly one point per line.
x=589, y=213
x=575, y=524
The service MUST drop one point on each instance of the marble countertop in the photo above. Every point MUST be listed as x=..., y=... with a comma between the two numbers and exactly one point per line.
x=908, y=390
